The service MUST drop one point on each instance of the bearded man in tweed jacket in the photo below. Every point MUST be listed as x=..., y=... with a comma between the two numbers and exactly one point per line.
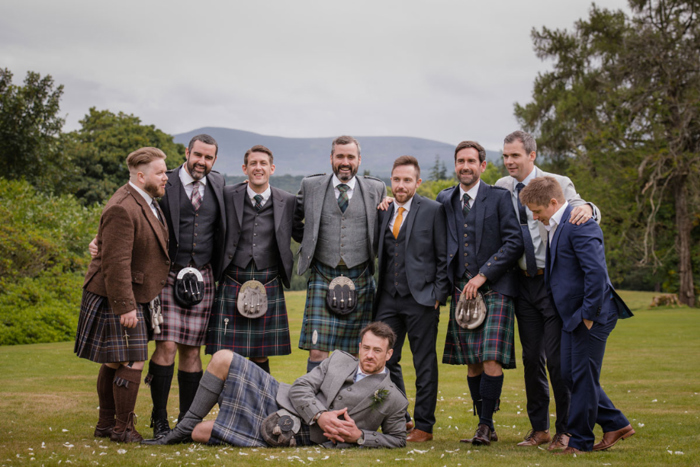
x=339, y=213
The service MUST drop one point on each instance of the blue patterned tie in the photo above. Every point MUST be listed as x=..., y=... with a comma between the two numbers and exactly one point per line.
x=465, y=207
x=343, y=197
x=527, y=238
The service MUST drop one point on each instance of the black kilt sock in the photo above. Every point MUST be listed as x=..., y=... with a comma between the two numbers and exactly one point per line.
x=160, y=378
x=474, y=383
x=310, y=365
x=207, y=396
x=491, y=387
x=265, y=366
x=189, y=382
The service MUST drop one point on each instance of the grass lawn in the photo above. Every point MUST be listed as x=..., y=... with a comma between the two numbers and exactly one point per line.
x=48, y=406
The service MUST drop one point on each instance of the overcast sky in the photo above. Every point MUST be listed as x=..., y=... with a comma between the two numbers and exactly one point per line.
x=447, y=70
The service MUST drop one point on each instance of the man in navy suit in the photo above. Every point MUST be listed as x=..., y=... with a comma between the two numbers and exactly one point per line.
x=411, y=242
x=578, y=282
x=483, y=244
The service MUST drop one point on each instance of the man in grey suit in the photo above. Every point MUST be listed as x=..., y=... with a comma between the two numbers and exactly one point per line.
x=341, y=403
x=339, y=213
x=539, y=325
x=412, y=242
x=258, y=236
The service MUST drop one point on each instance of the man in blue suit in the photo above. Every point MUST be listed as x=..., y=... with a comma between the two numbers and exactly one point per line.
x=483, y=244
x=578, y=282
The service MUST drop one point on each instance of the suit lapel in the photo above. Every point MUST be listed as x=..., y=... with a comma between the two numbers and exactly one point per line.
x=317, y=198
x=555, y=238
x=218, y=190
x=408, y=223
x=238, y=196
x=480, y=206
x=368, y=198
x=451, y=213
x=347, y=371
x=158, y=228
x=173, y=190
x=277, y=208
x=370, y=385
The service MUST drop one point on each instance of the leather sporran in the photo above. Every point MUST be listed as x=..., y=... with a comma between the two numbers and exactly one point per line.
x=279, y=428
x=251, y=301
x=470, y=313
x=189, y=287
x=342, y=296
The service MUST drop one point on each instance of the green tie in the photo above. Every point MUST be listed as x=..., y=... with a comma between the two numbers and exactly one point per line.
x=343, y=198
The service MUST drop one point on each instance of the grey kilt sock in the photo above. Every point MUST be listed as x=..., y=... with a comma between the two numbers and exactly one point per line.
x=310, y=365
x=207, y=396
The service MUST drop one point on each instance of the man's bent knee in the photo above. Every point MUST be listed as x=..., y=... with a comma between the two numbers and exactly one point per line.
x=220, y=363
x=317, y=355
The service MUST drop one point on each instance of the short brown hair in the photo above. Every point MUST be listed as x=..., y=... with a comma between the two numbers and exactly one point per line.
x=345, y=140
x=206, y=139
x=540, y=191
x=143, y=156
x=471, y=144
x=407, y=160
x=257, y=148
x=529, y=143
x=381, y=330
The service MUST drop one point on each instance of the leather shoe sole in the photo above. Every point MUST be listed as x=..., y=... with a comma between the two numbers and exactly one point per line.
x=419, y=436
x=535, y=438
x=612, y=437
x=569, y=451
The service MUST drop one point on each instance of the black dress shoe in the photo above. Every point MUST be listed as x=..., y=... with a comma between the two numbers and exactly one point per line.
x=161, y=427
x=174, y=437
x=482, y=436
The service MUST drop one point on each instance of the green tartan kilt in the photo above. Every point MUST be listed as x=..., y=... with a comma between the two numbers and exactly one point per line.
x=493, y=340
x=326, y=331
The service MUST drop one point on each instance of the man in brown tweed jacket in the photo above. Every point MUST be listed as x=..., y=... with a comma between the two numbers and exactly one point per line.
x=128, y=272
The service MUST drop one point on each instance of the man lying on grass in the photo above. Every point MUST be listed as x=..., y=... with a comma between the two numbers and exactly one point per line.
x=340, y=403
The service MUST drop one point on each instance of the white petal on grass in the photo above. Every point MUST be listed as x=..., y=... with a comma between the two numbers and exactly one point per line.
x=640, y=424
x=121, y=451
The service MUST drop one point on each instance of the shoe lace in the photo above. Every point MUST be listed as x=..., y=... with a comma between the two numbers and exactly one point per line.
x=529, y=435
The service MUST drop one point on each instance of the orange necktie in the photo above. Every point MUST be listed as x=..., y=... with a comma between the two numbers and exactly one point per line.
x=397, y=223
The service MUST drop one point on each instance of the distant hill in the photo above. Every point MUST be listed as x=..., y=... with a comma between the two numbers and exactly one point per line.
x=305, y=156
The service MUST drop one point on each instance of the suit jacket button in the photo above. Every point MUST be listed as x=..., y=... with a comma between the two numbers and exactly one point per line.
x=230, y=256
x=488, y=264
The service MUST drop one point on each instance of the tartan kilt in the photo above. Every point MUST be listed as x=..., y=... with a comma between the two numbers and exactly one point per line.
x=100, y=335
x=493, y=340
x=326, y=331
x=186, y=325
x=259, y=337
x=248, y=397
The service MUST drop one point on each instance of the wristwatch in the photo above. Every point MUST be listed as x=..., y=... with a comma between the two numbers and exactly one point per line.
x=361, y=440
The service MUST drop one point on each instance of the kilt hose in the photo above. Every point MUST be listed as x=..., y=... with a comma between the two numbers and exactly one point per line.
x=102, y=339
x=259, y=337
x=493, y=340
x=326, y=331
x=186, y=325
x=249, y=396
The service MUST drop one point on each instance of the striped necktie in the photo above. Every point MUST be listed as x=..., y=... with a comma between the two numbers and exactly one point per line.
x=196, y=195
x=466, y=208
x=258, y=202
x=343, y=197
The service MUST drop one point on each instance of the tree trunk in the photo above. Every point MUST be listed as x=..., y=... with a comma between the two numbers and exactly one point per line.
x=686, y=293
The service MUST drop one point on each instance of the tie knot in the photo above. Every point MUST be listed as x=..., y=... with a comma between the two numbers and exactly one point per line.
x=258, y=198
x=343, y=188
x=195, y=184
x=401, y=210
x=466, y=198
x=519, y=186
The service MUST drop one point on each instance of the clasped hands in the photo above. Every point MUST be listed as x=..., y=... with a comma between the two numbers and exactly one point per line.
x=337, y=429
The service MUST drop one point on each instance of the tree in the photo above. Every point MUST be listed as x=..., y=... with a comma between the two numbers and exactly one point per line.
x=622, y=105
x=99, y=149
x=439, y=171
x=29, y=129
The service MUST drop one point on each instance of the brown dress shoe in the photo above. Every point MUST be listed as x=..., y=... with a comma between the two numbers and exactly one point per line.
x=612, y=437
x=559, y=442
x=409, y=426
x=419, y=436
x=535, y=438
x=569, y=451
x=482, y=436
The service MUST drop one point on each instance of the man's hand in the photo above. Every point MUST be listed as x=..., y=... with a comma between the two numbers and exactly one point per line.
x=437, y=304
x=129, y=320
x=581, y=214
x=93, y=247
x=384, y=205
x=473, y=285
x=337, y=430
x=588, y=323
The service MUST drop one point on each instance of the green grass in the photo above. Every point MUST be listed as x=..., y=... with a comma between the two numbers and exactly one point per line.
x=48, y=406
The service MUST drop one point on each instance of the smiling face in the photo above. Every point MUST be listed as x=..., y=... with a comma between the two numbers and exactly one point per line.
x=200, y=159
x=153, y=178
x=374, y=353
x=468, y=167
x=404, y=182
x=544, y=213
x=345, y=160
x=258, y=171
x=518, y=162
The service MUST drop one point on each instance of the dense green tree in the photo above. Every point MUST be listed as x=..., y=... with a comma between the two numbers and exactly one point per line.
x=439, y=170
x=622, y=105
x=99, y=149
x=30, y=127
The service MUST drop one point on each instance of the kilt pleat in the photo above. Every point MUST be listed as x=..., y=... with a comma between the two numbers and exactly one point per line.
x=248, y=397
x=102, y=339
x=265, y=336
x=326, y=331
x=493, y=340
x=186, y=325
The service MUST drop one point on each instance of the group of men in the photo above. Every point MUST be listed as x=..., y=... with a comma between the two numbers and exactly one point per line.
x=477, y=243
